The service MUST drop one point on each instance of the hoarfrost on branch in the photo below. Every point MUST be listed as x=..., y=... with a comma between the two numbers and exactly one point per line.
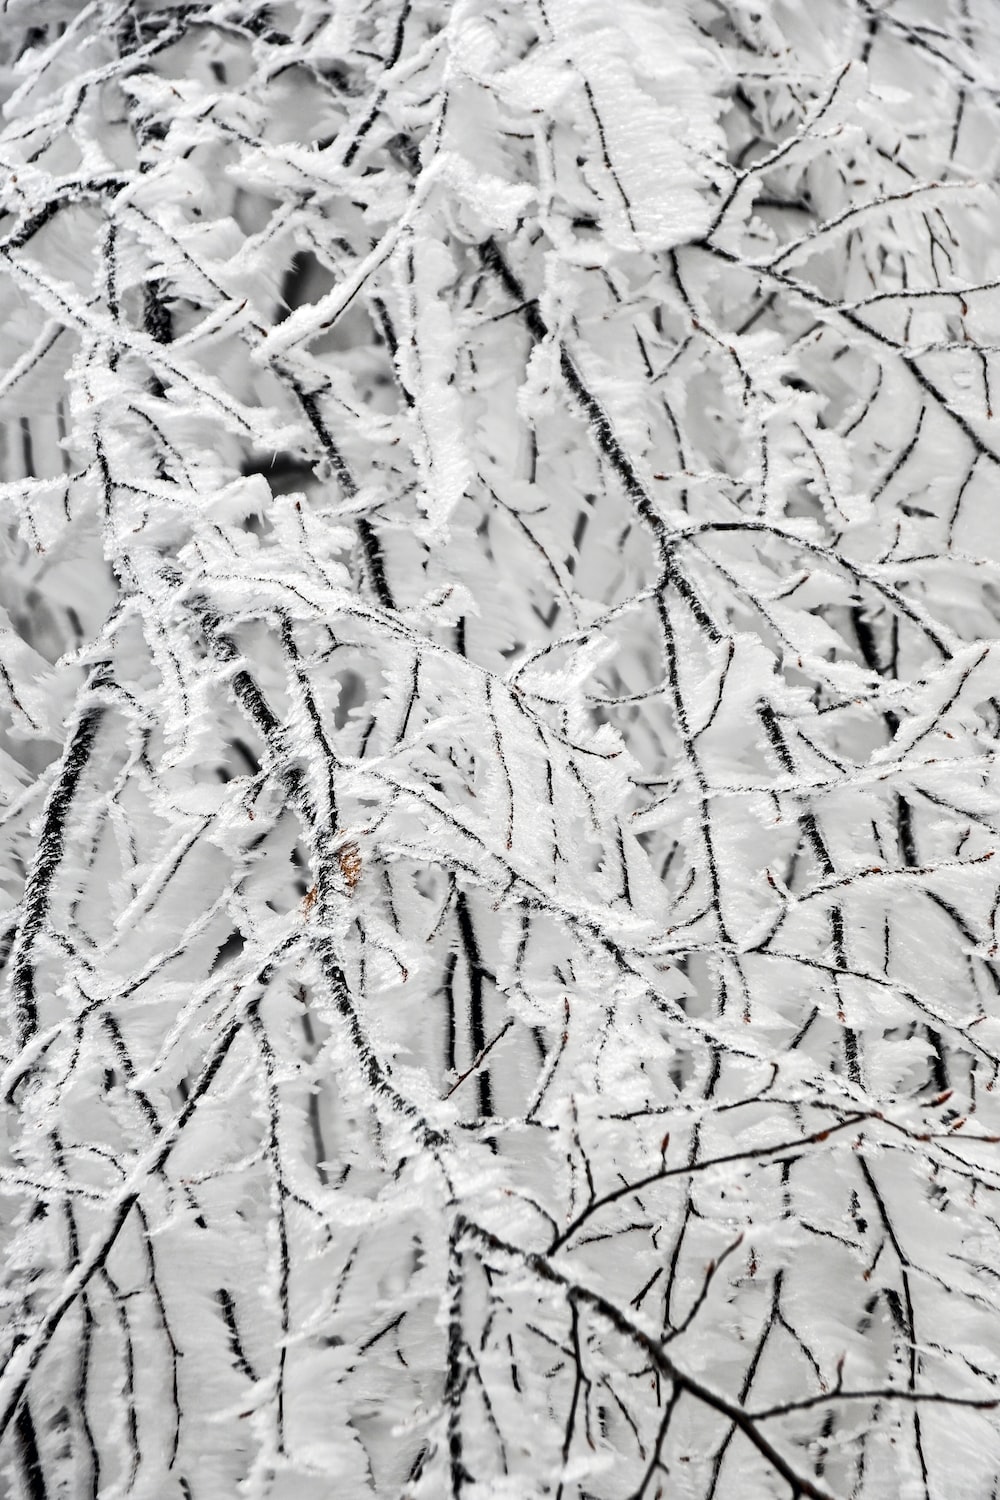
x=500, y=692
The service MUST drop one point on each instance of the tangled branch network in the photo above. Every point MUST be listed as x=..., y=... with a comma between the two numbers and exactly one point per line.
x=500, y=690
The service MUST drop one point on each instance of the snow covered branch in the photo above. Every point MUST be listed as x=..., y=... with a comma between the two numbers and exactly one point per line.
x=500, y=692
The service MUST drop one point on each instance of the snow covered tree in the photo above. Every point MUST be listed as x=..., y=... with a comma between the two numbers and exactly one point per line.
x=500, y=680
